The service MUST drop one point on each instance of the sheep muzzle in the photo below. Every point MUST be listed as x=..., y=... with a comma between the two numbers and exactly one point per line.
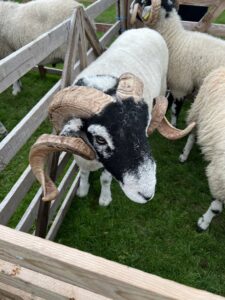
x=48, y=143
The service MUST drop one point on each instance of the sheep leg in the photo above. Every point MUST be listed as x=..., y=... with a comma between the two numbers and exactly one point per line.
x=187, y=148
x=214, y=209
x=16, y=87
x=84, y=185
x=175, y=110
x=105, y=196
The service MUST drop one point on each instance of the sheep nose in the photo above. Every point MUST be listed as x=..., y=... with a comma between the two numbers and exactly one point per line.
x=146, y=197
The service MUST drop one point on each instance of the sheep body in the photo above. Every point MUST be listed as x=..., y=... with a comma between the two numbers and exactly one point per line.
x=22, y=23
x=144, y=53
x=192, y=55
x=208, y=111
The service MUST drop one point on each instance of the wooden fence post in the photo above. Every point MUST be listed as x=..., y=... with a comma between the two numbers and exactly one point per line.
x=79, y=26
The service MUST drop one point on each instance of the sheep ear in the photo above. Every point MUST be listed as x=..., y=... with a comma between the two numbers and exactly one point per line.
x=160, y=122
x=130, y=86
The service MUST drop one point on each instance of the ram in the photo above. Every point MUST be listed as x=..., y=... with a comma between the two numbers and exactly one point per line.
x=192, y=55
x=105, y=118
x=22, y=23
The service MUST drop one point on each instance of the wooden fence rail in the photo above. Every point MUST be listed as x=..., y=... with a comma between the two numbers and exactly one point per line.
x=41, y=269
x=28, y=254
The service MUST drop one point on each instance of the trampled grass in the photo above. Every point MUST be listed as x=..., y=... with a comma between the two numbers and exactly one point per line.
x=159, y=237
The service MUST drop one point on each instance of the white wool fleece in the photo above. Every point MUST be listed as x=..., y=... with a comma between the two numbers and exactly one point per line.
x=22, y=23
x=208, y=111
x=142, y=52
x=192, y=55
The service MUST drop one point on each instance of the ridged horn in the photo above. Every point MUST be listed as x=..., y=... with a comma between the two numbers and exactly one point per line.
x=46, y=144
x=158, y=113
x=153, y=16
x=76, y=101
x=130, y=86
x=177, y=4
x=160, y=122
x=134, y=14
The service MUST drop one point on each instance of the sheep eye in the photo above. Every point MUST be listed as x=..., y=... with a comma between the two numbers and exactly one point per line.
x=100, y=140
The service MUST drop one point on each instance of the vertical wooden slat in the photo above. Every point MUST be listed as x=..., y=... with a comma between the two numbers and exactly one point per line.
x=213, y=12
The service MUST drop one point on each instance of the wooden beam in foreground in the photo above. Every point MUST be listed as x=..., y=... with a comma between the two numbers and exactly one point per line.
x=29, y=285
x=89, y=272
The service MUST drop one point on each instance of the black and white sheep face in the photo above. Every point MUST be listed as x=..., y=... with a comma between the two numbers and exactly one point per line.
x=168, y=5
x=119, y=137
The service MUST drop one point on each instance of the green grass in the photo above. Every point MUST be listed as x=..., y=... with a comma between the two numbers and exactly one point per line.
x=159, y=237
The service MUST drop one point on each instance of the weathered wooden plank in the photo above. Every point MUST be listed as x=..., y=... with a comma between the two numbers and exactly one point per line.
x=63, y=209
x=65, y=183
x=34, y=284
x=103, y=27
x=15, y=196
x=50, y=70
x=25, y=128
x=8, y=292
x=98, y=7
x=21, y=61
x=213, y=12
x=198, y=2
x=71, y=53
x=104, y=40
x=92, y=37
x=214, y=29
x=92, y=273
x=82, y=41
x=30, y=214
x=24, y=59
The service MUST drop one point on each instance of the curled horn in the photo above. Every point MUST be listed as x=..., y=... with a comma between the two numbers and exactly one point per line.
x=76, y=101
x=47, y=144
x=152, y=17
x=130, y=86
x=160, y=122
x=177, y=4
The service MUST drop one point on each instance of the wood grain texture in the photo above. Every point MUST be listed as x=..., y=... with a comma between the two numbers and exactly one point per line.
x=30, y=214
x=36, y=285
x=13, y=142
x=63, y=209
x=89, y=272
x=7, y=292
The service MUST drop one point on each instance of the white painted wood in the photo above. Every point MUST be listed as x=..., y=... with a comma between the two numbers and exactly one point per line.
x=90, y=272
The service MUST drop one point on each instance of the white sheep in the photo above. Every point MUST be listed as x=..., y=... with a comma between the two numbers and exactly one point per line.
x=21, y=23
x=117, y=129
x=192, y=55
x=208, y=111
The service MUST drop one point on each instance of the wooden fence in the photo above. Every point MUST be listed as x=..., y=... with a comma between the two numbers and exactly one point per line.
x=30, y=265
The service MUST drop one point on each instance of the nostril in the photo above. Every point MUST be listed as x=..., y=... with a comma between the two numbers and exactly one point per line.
x=147, y=198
